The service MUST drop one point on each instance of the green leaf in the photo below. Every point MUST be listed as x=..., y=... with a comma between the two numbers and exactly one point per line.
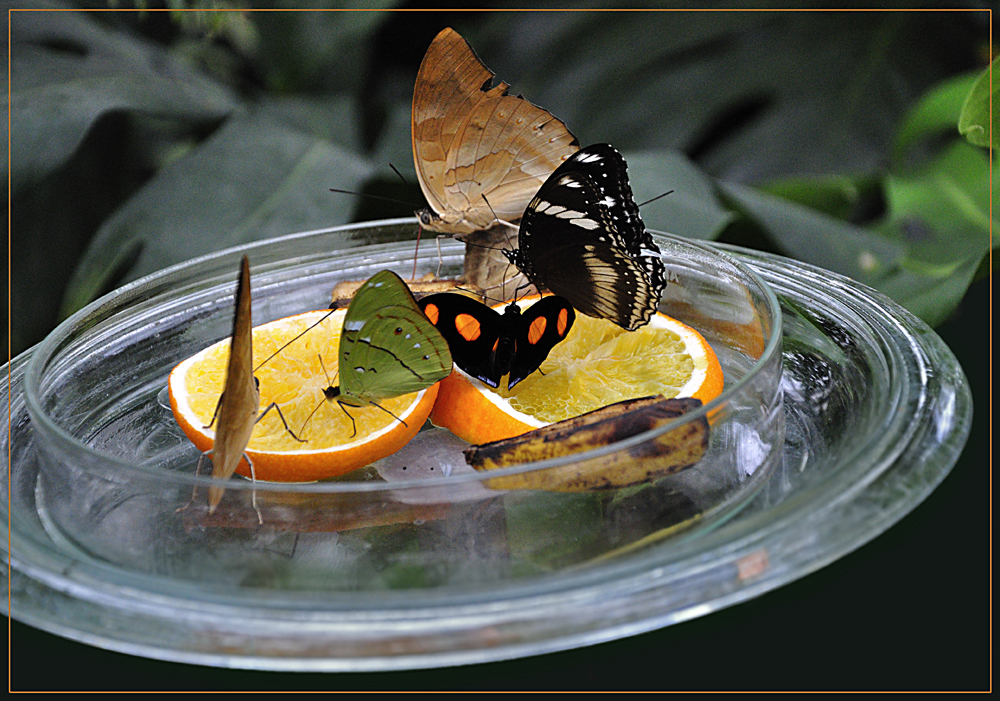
x=817, y=238
x=932, y=297
x=67, y=72
x=333, y=118
x=974, y=122
x=691, y=210
x=748, y=96
x=836, y=195
x=254, y=179
x=941, y=211
x=936, y=113
x=316, y=51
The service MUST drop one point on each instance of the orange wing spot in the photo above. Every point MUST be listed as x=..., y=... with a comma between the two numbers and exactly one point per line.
x=495, y=344
x=432, y=312
x=537, y=330
x=467, y=327
x=562, y=321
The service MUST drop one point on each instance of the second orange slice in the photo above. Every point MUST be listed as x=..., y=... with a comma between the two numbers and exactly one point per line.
x=598, y=364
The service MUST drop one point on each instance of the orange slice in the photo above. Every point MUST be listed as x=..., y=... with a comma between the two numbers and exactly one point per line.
x=294, y=379
x=598, y=364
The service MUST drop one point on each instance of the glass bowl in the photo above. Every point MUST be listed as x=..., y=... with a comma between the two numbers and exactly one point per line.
x=385, y=570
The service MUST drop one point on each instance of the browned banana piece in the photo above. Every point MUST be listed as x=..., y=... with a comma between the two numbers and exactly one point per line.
x=671, y=452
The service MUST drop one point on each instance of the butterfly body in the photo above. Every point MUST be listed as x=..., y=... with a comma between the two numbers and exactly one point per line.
x=582, y=238
x=237, y=410
x=240, y=400
x=489, y=345
x=471, y=141
x=387, y=346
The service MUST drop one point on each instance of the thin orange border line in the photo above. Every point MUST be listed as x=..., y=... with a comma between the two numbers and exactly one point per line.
x=990, y=322
x=10, y=322
x=244, y=10
x=507, y=9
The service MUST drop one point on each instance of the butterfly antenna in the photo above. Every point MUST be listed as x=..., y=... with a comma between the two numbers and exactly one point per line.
x=328, y=394
x=398, y=173
x=325, y=373
x=668, y=192
x=321, y=320
x=476, y=245
x=374, y=197
x=309, y=418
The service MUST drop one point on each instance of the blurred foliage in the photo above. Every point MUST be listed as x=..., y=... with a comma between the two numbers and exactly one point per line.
x=150, y=134
x=974, y=122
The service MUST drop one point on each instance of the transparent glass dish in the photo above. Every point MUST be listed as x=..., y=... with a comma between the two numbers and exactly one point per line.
x=385, y=570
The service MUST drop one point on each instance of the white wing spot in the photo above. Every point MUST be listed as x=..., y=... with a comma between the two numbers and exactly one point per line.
x=564, y=213
x=354, y=325
x=588, y=224
x=416, y=345
x=608, y=202
x=589, y=158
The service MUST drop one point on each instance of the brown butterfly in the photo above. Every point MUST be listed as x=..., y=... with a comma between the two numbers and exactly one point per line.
x=240, y=400
x=239, y=404
x=480, y=153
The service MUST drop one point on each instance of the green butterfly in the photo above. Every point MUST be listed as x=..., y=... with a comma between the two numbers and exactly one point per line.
x=387, y=347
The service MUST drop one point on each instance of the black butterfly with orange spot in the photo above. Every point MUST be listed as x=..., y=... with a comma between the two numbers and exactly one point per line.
x=489, y=345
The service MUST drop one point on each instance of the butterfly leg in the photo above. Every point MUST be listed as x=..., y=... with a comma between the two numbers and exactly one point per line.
x=194, y=490
x=215, y=414
x=500, y=221
x=416, y=248
x=388, y=412
x=354, y=426
x=253, y=492
x=274, y=405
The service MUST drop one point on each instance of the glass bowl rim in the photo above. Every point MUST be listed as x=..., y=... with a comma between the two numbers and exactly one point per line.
x=43, y=352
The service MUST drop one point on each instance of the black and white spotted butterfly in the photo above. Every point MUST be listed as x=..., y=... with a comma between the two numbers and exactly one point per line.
x=582, y=238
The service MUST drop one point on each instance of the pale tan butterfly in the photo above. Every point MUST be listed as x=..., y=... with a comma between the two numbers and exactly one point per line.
x=238, y=409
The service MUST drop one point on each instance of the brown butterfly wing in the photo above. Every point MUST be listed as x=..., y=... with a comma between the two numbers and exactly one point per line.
x=240, y=398
x=471, y=140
